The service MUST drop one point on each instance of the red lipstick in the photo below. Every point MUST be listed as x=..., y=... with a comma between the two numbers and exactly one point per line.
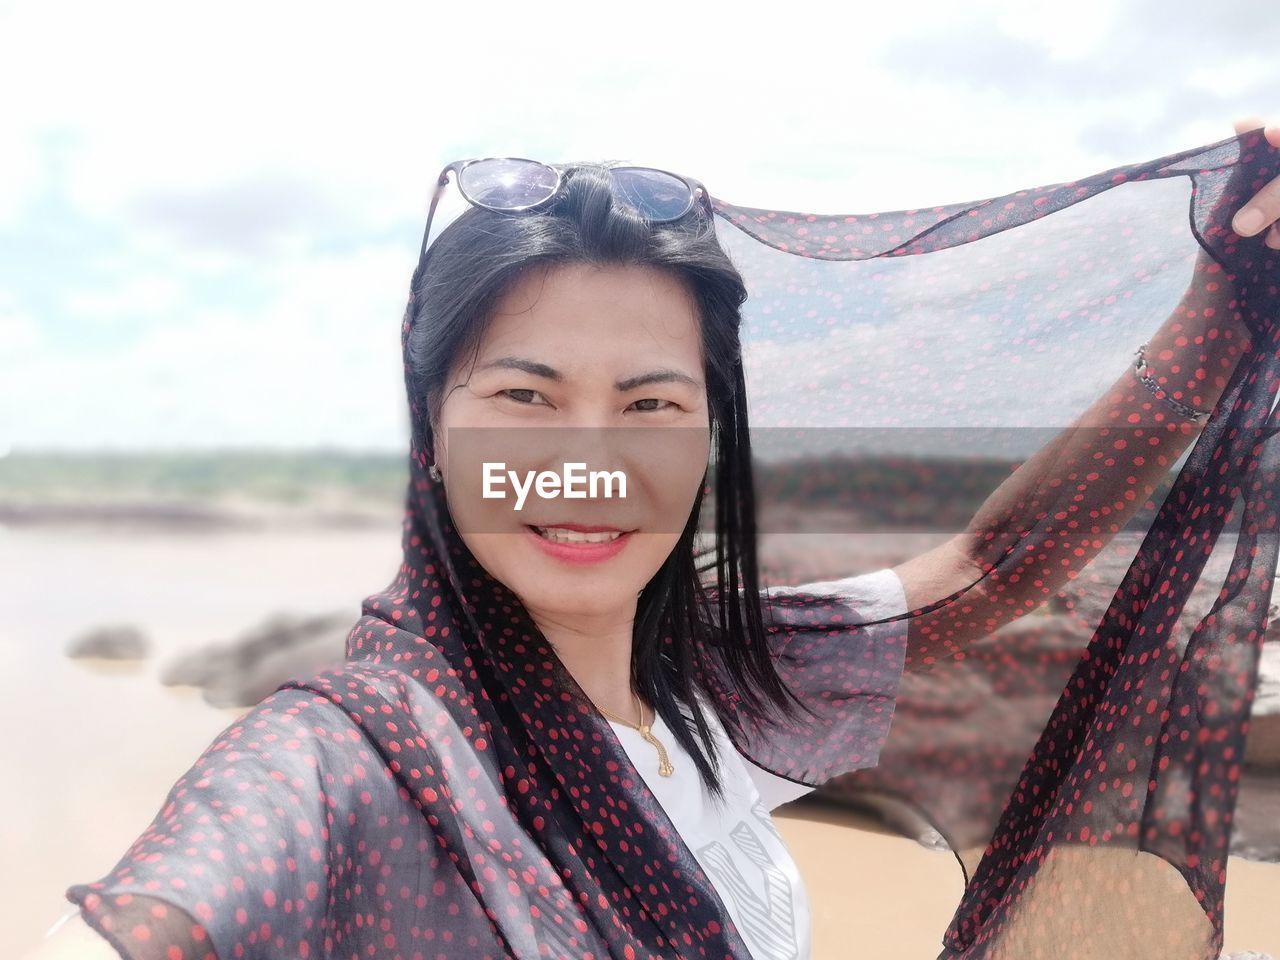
x=580, y=553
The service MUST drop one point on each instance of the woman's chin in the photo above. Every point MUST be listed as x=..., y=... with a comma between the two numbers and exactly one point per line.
x=554, y=600
x=583, y=589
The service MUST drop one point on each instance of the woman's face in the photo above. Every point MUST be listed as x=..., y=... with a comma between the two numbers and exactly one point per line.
x=596, y=365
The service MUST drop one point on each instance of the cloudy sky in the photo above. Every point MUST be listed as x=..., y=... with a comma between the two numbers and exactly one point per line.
x=209, y=212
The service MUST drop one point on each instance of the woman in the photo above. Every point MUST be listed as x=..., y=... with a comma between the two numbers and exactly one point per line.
x=450, y=791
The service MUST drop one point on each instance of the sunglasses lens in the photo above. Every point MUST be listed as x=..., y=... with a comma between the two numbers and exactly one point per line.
x=507, y=184
x=653, y=194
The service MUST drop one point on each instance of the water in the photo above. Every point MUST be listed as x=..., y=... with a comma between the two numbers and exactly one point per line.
x=92, y=747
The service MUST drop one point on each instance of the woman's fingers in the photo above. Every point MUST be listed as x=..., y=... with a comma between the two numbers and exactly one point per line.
x=1262, y=211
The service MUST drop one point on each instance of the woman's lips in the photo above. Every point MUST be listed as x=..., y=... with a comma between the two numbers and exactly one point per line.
x=583, y=552
x=579, y=527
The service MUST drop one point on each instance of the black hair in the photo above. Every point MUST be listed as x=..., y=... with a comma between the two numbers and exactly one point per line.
x=469, y=267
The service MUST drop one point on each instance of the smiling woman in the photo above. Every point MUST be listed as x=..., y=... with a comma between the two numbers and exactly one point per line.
x=540, y=746
x=594, y=334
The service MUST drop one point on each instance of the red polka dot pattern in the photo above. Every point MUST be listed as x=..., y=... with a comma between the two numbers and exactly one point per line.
x=1110, y=829
x=446, y=793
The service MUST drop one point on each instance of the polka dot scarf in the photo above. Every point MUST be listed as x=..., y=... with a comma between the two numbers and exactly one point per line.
x=447, y=792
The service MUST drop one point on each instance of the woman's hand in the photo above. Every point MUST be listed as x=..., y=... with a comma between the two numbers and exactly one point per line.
x=1262, y=212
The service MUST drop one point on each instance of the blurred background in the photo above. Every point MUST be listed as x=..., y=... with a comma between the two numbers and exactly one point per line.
x=208, y=219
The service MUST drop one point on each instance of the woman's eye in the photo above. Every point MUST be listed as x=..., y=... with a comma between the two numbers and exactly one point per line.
x=521, y=395
x=665, y=404
x=531, y=398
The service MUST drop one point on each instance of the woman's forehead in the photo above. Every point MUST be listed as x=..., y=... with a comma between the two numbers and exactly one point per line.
x=606, y=313
x=627, y=287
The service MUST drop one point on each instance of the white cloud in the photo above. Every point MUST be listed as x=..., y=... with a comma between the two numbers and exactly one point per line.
x=1065, y=33
x=19, y=334
x=22, y=349
x=1234, y=76
x=283, y=155
x=319, y=362
x=133, y=296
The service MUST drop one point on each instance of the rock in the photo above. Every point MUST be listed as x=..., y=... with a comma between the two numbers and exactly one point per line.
x=903, y=819
x=1262, y=749
x=199, y=666
x=247, y=687
x=111, y=643
x=961, y=737
x=242, y=671
x=1272, y=633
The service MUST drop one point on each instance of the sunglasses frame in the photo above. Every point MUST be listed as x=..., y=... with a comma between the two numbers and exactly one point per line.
x=697, y=191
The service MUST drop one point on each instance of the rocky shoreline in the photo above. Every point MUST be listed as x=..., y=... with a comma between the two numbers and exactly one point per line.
x=196, y=515
x=242, y=670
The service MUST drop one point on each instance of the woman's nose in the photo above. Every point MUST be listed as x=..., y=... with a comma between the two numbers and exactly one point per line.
x=596, y=445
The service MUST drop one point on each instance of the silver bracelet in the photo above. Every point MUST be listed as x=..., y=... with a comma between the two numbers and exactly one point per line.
x=1140, y=368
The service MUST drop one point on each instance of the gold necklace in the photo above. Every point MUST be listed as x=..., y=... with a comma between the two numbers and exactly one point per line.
x=664, y=763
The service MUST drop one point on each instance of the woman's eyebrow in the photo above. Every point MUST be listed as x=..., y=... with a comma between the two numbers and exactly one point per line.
x=665, y=375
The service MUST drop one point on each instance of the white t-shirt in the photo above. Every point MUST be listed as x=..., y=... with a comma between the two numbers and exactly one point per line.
x=737, y=843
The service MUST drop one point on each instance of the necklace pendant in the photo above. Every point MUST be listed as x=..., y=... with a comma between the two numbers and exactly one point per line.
x=665, y=768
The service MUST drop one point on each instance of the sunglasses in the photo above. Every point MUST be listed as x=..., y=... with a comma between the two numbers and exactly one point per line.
x=518, y=185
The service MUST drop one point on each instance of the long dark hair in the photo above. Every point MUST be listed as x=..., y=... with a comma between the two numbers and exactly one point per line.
x=468, y=268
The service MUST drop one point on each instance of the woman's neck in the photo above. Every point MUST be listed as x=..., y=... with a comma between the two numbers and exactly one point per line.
x=597, y=653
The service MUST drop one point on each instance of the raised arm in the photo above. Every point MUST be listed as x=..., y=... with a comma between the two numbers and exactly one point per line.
x=1192, y=357
x=1189, y=364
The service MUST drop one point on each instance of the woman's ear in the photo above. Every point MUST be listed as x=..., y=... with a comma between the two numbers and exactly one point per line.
x=439, y=451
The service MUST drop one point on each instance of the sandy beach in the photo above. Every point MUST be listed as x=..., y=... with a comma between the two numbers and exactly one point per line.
x=116, y=739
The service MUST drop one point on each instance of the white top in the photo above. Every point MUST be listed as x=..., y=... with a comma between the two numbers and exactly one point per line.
x=737, y=844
